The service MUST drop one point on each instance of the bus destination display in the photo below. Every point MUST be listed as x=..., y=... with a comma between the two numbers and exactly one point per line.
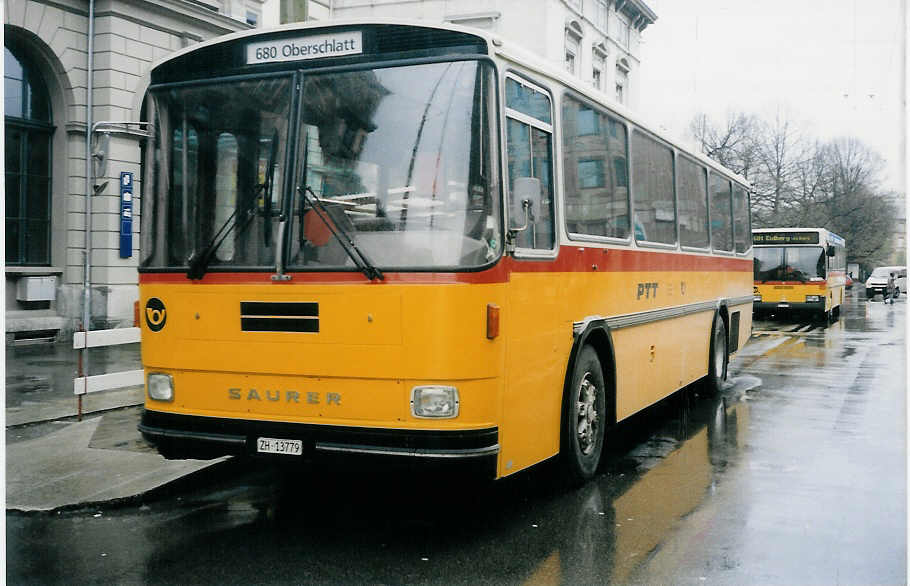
x=785, y=238
x=301, y=48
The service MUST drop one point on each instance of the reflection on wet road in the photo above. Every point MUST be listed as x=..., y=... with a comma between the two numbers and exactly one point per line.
x=795, y=474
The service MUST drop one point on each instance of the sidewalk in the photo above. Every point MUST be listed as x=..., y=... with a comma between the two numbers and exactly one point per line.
x=53, y=460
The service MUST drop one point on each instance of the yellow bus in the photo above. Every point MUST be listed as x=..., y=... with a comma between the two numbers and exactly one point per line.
x=799, y=270
x=413, y=241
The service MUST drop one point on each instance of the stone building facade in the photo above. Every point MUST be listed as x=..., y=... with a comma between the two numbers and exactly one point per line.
x=598, y=41
x=45, y=113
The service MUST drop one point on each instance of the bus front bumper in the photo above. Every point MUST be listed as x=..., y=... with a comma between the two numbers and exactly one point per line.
x=180, y=436
x=776, y=306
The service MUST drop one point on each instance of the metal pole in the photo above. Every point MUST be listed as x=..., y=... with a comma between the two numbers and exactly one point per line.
x=89, y=180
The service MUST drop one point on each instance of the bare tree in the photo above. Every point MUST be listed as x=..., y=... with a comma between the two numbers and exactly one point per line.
x=780, y=152
x=732, y=145
x=798, y=182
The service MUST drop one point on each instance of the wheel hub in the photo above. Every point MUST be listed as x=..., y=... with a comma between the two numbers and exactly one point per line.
x=587, y=419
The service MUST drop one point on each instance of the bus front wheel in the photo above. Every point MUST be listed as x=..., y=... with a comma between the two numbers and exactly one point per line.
x=717, y=358
x=584, y=418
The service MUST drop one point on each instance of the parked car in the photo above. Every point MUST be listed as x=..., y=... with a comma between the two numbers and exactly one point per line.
x=877, y=283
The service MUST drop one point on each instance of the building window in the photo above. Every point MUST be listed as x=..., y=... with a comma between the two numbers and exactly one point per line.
x=601, y=14
x=590, y=174
x=570, y=60
x=28, y=162
x=252, y=18
x=574, y=33
x=622, y=81
x=599, y=60
x=621, y=30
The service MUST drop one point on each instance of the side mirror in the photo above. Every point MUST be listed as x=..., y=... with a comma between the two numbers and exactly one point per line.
x=830, y=250
x=526, y=198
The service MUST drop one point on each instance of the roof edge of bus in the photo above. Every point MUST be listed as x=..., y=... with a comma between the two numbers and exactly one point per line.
x=313, y=24
x=515, y=52
x=499, y=45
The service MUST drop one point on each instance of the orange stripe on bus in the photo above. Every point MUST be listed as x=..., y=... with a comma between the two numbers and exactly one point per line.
x=570, y=260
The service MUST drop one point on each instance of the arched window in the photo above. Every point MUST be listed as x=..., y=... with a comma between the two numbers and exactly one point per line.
x=622, y=80
x=28, y=162
x=574, y=33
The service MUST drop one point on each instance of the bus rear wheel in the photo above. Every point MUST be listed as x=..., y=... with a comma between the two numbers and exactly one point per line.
x=584, y=418
x=717, y=357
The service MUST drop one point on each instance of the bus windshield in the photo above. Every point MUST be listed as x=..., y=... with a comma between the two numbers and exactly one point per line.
x=397, y=161
x=400, y=159
x=219, y=157
x=776, y=263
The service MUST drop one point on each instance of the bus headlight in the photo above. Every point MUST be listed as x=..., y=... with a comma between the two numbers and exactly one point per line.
x=434, y=401
x=756, y=298
x=813, y=298
x=161, y=387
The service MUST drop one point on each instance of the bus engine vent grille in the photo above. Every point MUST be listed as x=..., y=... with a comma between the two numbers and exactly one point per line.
x=279, y=316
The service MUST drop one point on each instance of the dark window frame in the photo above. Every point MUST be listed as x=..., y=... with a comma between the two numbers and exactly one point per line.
x=533, y=122
x=655, y=141
x=26, y=230
x=614, y=122
x=702, y=172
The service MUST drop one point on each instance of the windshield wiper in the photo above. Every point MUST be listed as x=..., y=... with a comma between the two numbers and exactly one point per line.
x=357, y=255
x=200, y=259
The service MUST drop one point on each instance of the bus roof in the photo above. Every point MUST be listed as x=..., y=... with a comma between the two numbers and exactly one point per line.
x=497, y=45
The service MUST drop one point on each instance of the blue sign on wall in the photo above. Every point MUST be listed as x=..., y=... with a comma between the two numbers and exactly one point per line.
x=126, y=214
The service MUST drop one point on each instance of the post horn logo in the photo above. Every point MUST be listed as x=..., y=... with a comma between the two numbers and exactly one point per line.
x=155, y=314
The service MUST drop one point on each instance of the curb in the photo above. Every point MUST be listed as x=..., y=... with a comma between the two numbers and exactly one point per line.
x=218, y=468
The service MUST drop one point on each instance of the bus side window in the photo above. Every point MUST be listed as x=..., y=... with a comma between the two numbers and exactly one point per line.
x=652, y=190
x=595, y=177
x=742, y=231
x=721, y=214
x=529, y=144
x=692, y=186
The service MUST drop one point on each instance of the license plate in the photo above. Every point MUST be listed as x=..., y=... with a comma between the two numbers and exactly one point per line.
x=782, y=305
x=271, y=445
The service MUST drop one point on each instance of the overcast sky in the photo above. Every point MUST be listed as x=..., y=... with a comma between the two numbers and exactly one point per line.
x=833, y=67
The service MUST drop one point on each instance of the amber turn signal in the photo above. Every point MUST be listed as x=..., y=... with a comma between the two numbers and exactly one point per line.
x=492, y=320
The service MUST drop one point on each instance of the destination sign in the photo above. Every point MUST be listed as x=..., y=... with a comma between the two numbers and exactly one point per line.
x=785, y=238
x=303, y=48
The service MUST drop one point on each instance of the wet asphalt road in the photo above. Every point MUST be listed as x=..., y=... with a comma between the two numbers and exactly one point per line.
x=46, y=371
x=795, y=474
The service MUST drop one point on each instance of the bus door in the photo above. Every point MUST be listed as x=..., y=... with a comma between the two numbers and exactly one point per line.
x=538, y=344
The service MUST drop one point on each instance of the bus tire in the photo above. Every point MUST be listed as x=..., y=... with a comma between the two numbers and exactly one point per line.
x=717, y=357
x=584, y=418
